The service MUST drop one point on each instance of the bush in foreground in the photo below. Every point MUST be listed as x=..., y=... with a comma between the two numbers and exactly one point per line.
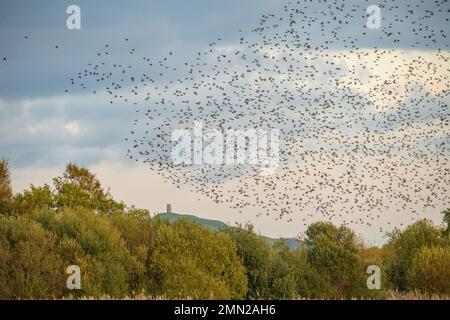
x=430, y=271
x=191, y=261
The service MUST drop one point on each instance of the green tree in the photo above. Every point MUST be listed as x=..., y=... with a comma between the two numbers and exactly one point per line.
x=256, y=254
x=333, y=252
x=281, y=276
x=189, y=261
x=403, y=246
x=446, y=214
x=30, y=264
x=430, y=271
x=78, y=187
x=308, y=282
x=269, y=276
x=35, y=198
x=88, y=240
x=137, y=230
x=5, y=186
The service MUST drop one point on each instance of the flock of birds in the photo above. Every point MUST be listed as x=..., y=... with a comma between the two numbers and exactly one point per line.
x=364, y=131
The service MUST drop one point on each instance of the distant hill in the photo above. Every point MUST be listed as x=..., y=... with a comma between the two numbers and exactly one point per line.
x=215, y=225
x=210, y=224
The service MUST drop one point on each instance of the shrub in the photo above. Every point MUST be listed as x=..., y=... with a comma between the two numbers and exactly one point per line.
x=78, y=187
x=403, y=246
x=333, y=253
x=307, y=282
x=89, y=240
x=268, y=273
x=281, y=276
x=5, y=186
x=138, y=232
x=256, y=255
x=446, y=214
x=35, y=198
x=430, y=271
x=189, y=261
x=30, y=265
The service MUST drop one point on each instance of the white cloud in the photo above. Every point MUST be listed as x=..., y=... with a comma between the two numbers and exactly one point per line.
x=72, y=128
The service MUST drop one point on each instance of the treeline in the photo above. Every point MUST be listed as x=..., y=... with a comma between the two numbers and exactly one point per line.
x=121, y=251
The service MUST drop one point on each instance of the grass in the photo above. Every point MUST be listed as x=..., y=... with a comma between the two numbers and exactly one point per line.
x=390, y=295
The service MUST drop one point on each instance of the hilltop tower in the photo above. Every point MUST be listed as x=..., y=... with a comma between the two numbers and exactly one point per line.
x=169, y=208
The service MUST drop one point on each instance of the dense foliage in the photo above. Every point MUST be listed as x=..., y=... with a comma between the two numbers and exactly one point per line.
x=123, y=251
